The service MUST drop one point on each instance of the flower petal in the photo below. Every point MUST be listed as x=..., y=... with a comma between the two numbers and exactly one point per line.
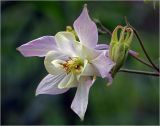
x=89, y=53
x=103, y=64
x=88, y=69
x=102, y=47
x=50, y=66
x=80, y=101
x=133, y=53
x=106, y=47
x=65, y=42
x=68, y=81
x=86, y=29
x=110, y=79
x=38, y=47
x=49, y=85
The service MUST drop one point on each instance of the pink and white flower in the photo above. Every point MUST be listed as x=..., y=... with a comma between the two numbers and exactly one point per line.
x=71, y=62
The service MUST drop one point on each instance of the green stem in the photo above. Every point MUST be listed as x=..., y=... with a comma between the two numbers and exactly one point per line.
x=103, y=29
x=142, y=61
x=140, y=72
x=142, y=45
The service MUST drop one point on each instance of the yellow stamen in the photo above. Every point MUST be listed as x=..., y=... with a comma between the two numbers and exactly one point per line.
x=74, y=65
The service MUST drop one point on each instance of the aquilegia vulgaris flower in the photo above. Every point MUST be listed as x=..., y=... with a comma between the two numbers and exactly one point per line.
x=72, y=60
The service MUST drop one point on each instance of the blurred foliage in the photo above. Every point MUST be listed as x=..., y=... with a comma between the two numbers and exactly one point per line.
x=131, y=99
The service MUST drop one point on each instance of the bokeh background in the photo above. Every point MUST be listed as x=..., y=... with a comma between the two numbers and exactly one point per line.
x=131, y=99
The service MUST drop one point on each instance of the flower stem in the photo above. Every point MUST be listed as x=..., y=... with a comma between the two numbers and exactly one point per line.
x=103, y=29
x=140, y=72
x=142, y=61
x=142, y=45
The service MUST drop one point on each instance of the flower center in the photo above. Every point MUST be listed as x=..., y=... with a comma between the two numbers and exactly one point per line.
x=74, y=65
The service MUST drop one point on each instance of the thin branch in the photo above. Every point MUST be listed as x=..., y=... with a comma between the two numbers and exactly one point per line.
x=101, y=31
x=142, y=61
x=142, y=45
x=126, y=21
x=148, y=57
x=140, y=72
x=103, y=28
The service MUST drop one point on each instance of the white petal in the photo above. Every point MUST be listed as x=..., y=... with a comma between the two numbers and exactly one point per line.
x=49, y=85
x=65, y=42
x=49, y=65
x=38, y=47
x=88, y=69
x=80, y=101
x=68, y=81
x=86, y=29
x=89, y=53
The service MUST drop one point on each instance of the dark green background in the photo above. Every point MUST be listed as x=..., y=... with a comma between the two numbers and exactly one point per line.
x=131, y=99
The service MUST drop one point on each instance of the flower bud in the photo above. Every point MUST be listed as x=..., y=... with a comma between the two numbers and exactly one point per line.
x=119, y=46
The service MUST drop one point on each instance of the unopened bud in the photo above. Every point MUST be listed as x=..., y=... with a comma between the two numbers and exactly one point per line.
x=119, y=46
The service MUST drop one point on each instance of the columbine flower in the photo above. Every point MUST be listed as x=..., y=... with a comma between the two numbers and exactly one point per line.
x=72, y=60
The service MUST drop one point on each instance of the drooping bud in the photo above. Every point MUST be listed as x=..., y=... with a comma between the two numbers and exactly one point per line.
x=119, y=46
